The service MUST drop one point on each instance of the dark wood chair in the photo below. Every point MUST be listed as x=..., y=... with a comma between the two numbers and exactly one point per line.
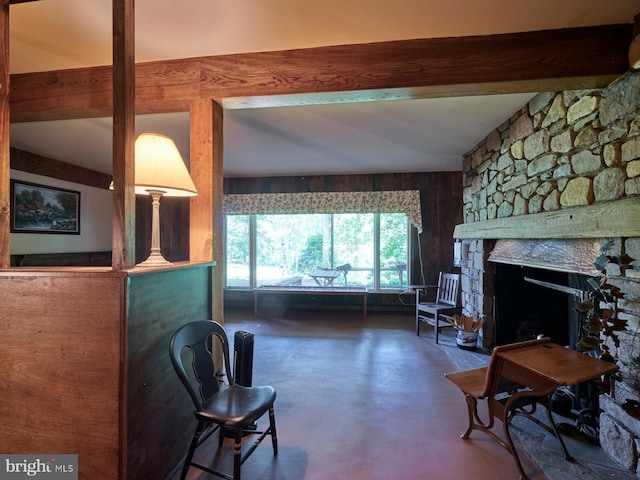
x=228, y=408
x=446, y=303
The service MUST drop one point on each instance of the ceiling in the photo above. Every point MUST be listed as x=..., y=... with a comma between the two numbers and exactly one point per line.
x=368, y=137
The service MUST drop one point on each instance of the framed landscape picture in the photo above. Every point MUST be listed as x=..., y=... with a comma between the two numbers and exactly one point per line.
x=41, y=209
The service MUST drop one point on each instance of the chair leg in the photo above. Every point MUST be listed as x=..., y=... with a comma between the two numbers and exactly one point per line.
x=511, y=447
x=554, y=427
x=437, y=322
x=417, y=313
x=274, y=436
x=221, y=435
x=237, y=454
x=472, y=405
x=192, y=448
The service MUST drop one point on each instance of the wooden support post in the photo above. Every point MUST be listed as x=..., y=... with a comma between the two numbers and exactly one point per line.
x=123, y=240
x=634, y=48
x=206, y=218
x=5, y=211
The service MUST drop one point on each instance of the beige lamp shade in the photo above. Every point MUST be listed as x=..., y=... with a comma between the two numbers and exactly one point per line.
x=159, y=166
x=160, y=171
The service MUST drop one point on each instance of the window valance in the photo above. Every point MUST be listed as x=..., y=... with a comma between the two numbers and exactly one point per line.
x=404, y=201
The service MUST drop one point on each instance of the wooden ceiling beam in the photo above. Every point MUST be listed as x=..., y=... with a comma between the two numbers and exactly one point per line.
x=551, y=60
x=49, y=167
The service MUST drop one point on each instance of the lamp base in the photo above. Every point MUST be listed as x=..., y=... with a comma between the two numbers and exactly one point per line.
x=154, y=260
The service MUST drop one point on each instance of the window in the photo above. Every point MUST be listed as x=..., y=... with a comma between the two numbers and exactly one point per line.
x=393, y=252
x=288, y=248
x=238, y=251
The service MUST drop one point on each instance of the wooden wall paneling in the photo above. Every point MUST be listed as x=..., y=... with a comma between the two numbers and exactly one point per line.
x=339, y=183
x=124, y=127
x=5, y=198
x=174, y=228
x=62, y=366
x=426, y=254
x=441, y=210
x=160, y=412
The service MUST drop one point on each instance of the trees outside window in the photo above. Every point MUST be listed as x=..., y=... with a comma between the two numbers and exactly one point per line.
x=237, y=251
x=290, y=247
x=393, y=250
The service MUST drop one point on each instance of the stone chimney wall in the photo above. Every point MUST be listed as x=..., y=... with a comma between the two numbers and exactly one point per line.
x=563, y=150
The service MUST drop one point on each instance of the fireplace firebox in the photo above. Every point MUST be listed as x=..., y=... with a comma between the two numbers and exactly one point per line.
x=525, y=310
x=534, y=301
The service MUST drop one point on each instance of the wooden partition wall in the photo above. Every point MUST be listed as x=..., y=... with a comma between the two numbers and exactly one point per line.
x=86, y=366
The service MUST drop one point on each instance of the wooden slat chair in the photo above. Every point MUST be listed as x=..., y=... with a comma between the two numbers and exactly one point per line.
x=446, y=304
x=505, y=398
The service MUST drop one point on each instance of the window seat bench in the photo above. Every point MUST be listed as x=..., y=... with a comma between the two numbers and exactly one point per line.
x=309, y=291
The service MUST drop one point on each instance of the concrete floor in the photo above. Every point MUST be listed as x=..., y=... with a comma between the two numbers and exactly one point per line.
x=367, y=400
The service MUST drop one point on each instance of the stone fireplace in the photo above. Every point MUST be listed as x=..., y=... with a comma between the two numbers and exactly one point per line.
x=544, y=190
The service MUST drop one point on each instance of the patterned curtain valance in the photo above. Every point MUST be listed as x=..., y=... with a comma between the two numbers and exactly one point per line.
x=404, y=201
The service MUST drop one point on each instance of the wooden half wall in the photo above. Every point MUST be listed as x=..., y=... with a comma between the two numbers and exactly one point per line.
x=86, y=369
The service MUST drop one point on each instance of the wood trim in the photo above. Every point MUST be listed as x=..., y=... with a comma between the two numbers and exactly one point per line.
x=374, y=182
x=123, y=111
x=217, y=307
x=5, y=200
x=206, y=219
x=620, y=218
x=564, y=59
x=634, y=48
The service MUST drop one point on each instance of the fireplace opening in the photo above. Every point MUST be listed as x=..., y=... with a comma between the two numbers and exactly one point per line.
x=524, y=310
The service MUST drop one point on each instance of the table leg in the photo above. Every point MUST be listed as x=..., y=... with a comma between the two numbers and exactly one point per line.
x=255, y=303
x=364, y=303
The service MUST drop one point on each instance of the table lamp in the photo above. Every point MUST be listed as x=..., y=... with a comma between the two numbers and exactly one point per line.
x=159, y=171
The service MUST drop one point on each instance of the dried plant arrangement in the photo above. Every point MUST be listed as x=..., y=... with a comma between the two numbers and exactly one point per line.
x=466, y=323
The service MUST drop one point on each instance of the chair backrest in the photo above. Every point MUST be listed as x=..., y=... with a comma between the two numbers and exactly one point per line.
x=198, y=375
x=448, y=287
x=494, y=370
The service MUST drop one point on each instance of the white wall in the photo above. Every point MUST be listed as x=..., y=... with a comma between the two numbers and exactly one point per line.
x=95, y=222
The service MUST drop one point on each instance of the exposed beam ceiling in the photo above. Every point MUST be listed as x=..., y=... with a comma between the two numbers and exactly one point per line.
x=455, y=71
x=523, y=62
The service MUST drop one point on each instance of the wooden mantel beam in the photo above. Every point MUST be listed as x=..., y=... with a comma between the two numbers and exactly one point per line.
x=619, y=218
x=551, y=60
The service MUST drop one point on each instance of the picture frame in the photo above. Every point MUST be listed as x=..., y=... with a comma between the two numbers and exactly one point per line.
x=43, y=209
